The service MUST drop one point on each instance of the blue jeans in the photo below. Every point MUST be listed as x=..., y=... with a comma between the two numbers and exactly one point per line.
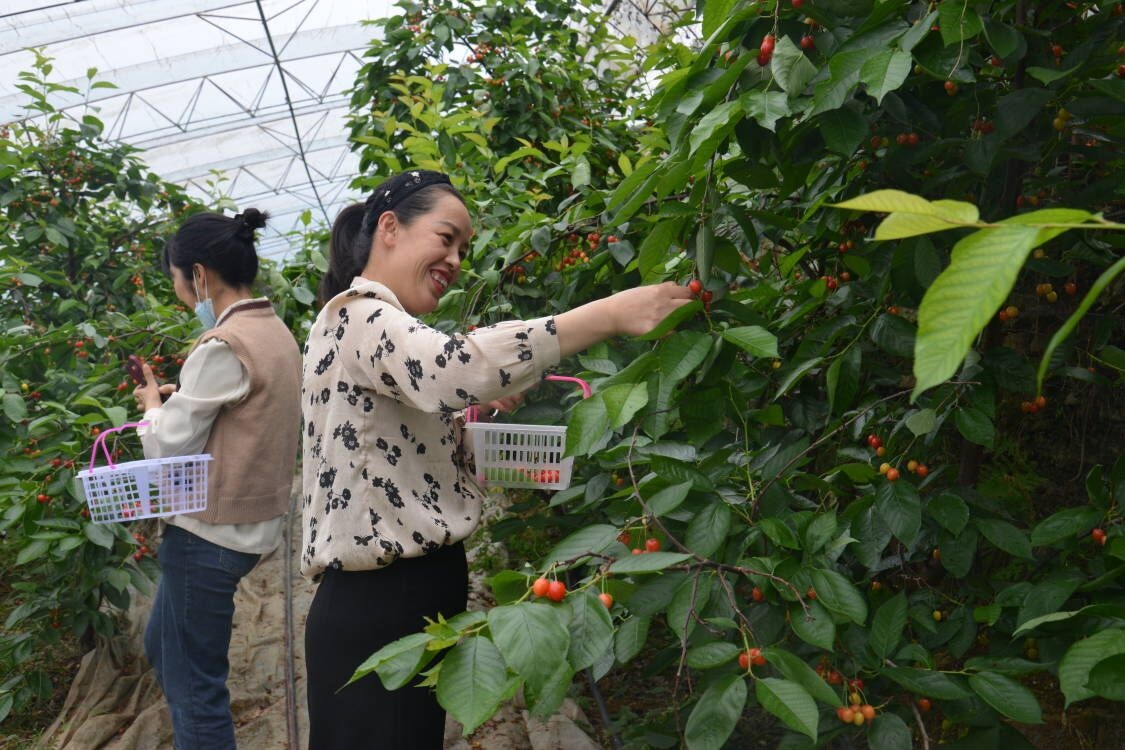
x=188, y=636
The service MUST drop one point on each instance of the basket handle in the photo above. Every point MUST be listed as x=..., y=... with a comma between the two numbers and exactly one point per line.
x=100, y=441
x=472, y=411
x=586, y=392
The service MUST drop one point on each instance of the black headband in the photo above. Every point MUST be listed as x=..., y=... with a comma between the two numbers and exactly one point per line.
x=394, y=190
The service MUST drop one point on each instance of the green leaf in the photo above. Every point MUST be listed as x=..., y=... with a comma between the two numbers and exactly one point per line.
x=714, y=716
x=99, y=534
x=588, y=427
x=623, y=401
x=590, y=539
x=889, y=732
x=778, y=532
x=765, y=107
x=794, y=375
x=580, y=177
x=891, y=201
x=791, y=70
x=1091, y=610
x=630, y=638
x=885, y=71
x=711, y=655
x=532, y=637
x=928, y=683
x=1078, y=662
x=958, y=22
x=921, y=422
x=397, y=662
x=713, y=127
x=843, y=75
x=1005, y=536
x=942, y=215
x=32, y=551
x=1107, y=678
x=887, y=626
x=816, y=628
x=473, y=682
x=1046, y=596
x=950, y=511
x=843, y=380
x=681, y=353
x=975, y=426
x=965, y=295
x=649, y=562
x=704, y=251
x=794, y=669
x=900, y=508
x=1007, y=696
x=839, y=595
x=789, y=702
x=14, y=407
x=709, y=529
x=843, y=130
x=753, y=339
x=668, y=499
x=1004, y=40
x=591, y=630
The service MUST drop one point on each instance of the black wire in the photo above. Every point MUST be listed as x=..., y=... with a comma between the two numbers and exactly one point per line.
x=292, y=114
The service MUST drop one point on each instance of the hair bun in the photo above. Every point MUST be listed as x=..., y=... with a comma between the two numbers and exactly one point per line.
x=253, y=218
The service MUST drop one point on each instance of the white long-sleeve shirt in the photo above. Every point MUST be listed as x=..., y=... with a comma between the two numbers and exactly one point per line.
x=211, y=378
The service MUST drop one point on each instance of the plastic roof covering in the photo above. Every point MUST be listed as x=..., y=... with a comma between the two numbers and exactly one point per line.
x=250, y=95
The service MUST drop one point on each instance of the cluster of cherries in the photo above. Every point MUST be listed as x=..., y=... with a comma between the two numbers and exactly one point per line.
x=695, y=286
x=890, y=472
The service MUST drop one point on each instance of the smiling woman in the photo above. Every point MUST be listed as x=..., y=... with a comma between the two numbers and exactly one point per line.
x=388, y=496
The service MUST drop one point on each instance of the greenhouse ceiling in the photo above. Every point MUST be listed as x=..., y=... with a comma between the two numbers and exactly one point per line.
x=243, y=99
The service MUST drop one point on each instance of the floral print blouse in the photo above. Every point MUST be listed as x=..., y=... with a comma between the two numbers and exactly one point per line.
x=384, y=475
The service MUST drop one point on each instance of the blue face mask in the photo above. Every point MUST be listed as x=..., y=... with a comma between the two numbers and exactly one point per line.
x=204, y=308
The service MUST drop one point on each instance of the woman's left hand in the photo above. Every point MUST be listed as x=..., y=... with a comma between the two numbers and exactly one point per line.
x=506, y=404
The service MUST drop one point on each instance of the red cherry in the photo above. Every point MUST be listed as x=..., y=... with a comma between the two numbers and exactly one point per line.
x=892, y=474
x=706, y=296
x=606, y=599
x=695, y=286
x=556, y=591
x=652, y=544
x=1099, y=536
x=43, y=498
x=808, y=43
x=764, y=58
x=768, y=44
x=540, y=587
x=951, y=87
x=757, y=594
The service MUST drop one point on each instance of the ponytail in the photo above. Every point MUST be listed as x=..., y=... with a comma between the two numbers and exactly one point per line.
x=348, y=249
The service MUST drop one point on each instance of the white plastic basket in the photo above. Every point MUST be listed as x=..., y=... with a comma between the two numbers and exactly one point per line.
x=148, y=488
x=523, y=456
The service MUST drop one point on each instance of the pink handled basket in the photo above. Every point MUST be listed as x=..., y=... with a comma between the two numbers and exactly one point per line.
x=148, y=488
x=522, y=456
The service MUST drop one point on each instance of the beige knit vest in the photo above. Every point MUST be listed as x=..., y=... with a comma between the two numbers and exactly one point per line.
x=254, y=442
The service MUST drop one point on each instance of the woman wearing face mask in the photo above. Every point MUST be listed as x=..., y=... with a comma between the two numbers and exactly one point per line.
x=236, y=400
x=387, y=498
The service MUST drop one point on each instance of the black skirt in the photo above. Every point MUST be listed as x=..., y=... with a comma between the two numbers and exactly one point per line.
x=353, y=615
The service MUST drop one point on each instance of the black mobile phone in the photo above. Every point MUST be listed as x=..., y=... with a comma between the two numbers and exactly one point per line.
x=133, y=367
